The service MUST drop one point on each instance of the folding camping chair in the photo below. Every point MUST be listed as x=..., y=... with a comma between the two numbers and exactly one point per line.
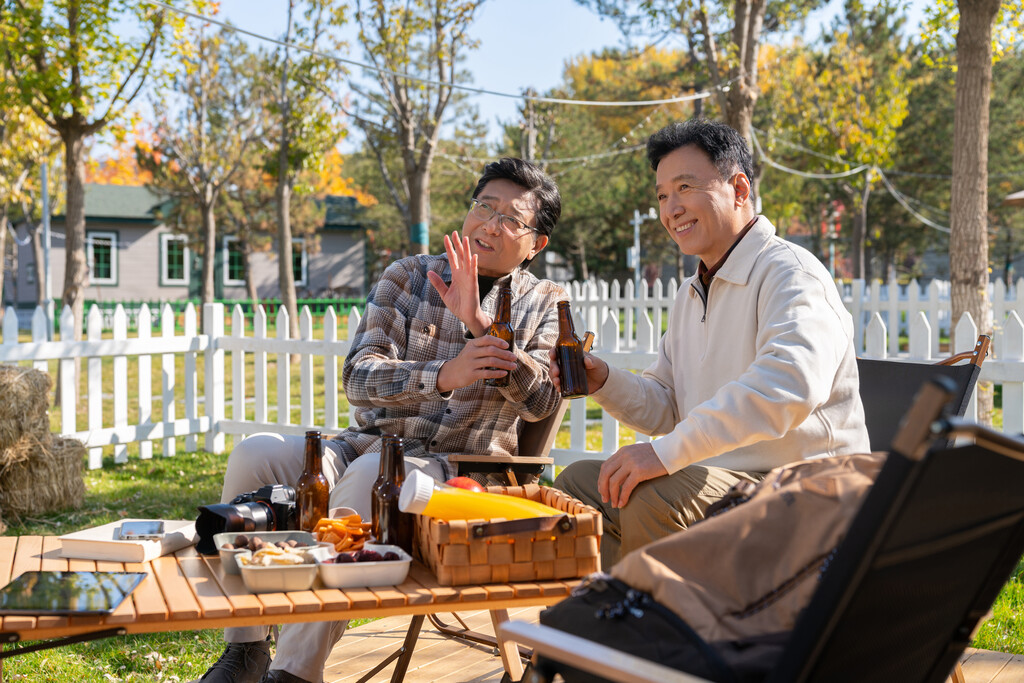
x=910, y=580
x=887, y=387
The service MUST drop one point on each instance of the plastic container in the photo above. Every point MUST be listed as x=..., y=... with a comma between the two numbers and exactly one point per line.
x=229, y=558
x=423, y=495
x=366, y=574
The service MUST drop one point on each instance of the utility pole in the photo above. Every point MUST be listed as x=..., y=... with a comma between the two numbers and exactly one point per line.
x=633, y=257
x=529, y=141
x=47, y=284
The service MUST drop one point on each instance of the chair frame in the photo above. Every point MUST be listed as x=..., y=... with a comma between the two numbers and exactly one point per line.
x=922, y=433
x=881, y=429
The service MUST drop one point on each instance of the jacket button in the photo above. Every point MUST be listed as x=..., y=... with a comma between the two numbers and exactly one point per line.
x=448, y=411
x=433, y=443
x=423, y=386
x=426, y=329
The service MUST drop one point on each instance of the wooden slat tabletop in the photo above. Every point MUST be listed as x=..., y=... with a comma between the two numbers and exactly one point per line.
x=187, y=591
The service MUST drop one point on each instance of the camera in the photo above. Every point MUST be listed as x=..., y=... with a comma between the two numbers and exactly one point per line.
x=269, y=508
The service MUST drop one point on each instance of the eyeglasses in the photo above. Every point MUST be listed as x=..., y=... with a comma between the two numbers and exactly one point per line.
x=512, y=226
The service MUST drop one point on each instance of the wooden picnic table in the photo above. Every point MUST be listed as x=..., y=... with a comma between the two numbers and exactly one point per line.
x=187, y=591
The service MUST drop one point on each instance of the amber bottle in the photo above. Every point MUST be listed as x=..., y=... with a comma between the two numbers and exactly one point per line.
x=569, y=355
x=311, y=490
x=390, y=525
x=502, y=328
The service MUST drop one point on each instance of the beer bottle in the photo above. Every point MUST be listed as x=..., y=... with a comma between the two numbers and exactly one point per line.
x=390, y=525
x=311, y=490
x=569, y=355
x=502, y=328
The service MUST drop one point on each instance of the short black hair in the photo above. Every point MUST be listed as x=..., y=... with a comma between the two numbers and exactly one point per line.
x=530, y=177
x=722, y=143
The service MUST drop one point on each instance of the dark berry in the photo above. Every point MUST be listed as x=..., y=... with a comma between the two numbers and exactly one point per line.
x=391, y=555
x=344, y=558
x=368, y=556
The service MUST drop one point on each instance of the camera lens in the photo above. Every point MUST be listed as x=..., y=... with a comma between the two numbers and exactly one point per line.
x=241, y=517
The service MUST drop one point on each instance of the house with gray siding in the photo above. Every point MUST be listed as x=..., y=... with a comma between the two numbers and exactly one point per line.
x=133, y=256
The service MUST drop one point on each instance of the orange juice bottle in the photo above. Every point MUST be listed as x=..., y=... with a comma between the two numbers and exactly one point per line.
x=423, y=495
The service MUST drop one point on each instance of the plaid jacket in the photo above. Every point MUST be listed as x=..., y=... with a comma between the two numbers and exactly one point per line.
x=406, y=335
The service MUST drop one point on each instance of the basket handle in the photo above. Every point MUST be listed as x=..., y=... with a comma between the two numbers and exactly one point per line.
x=559, y=523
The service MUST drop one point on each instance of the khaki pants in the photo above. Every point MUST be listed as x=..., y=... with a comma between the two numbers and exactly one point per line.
x=656, y=508
x=302, y=649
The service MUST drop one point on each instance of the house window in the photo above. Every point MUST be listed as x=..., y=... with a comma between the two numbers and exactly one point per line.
x=234, y=266
x=173, y=259
x=299, y=261
x=101, y=255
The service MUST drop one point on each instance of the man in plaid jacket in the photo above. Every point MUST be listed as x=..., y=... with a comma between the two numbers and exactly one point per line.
x=414, y=370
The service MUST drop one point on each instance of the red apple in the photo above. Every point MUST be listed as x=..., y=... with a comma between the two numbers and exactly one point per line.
x=465, y=483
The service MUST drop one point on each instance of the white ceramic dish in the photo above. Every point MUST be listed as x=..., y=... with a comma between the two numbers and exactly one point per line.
x=229, y=558
x=360, y=574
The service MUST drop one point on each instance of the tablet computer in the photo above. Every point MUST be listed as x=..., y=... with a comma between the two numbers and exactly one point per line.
x=63, y=592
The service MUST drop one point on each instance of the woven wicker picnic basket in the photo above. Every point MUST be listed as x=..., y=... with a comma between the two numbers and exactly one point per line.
x=496, y=551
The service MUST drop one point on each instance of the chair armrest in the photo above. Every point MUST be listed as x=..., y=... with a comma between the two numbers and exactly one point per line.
x=590, y=656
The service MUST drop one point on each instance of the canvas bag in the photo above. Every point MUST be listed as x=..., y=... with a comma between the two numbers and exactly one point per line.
x=738, y=579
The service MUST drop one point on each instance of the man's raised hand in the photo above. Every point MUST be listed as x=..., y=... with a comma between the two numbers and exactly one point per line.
x=462, y=296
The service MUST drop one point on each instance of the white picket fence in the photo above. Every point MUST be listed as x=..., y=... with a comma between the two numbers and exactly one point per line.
x=628, y=328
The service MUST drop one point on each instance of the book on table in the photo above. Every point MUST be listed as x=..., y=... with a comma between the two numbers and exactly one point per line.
x=103, y=542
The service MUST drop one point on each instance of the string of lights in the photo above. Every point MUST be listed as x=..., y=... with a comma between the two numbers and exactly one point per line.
x=428, y=81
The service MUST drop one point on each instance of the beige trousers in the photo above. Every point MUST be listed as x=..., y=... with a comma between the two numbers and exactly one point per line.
x=656, y=508
x=260, y=459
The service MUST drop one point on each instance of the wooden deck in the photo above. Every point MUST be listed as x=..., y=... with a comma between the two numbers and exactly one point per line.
x=438, y=659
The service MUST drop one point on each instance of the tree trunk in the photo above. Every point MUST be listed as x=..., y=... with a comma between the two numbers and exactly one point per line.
x=968, y=243
x=581, y=249
x=206, y=293
x=857, y=247
x=3, y=259
x=250, y=285
x=37, y=256
x=419, y=211
x=75, y=266
x=285, y=275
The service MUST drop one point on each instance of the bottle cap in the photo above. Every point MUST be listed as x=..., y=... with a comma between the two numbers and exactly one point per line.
x=416, y=491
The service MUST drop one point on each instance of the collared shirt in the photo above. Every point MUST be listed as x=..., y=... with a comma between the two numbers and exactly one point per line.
x=405, y=337
x=705, y=274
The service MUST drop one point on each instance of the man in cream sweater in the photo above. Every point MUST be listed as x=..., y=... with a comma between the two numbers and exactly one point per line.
x=757, y=367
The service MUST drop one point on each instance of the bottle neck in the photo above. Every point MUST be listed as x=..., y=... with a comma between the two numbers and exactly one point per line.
x=565, y=324
x=314, y=455
x=504, y=313
x=392, y=462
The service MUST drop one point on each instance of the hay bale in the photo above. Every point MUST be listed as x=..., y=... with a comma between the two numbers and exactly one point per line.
x=49, y=479
x=24, y=408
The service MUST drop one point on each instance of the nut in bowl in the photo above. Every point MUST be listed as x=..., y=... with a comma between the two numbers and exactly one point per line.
x=357, y=570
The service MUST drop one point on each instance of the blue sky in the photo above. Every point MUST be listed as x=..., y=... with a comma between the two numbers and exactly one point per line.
x=523, y=43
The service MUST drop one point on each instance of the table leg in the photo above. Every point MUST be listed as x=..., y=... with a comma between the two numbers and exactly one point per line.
x=508, y=649
x=402, y=665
